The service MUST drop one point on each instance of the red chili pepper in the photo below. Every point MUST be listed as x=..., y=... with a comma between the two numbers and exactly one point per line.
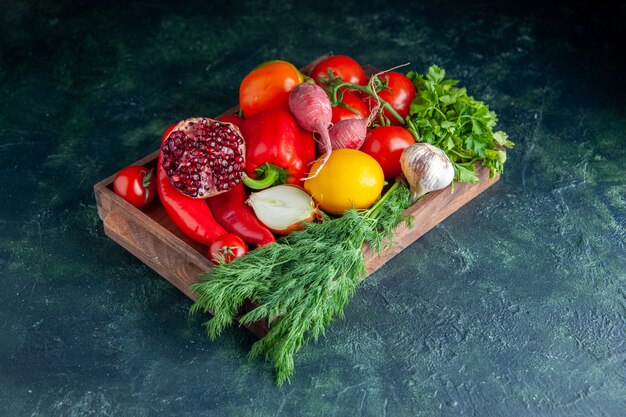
x=232, y=212
x=192, y=216
x=277, y=149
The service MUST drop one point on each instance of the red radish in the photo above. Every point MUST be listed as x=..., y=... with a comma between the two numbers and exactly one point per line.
x=311, y=108
x=351, y=133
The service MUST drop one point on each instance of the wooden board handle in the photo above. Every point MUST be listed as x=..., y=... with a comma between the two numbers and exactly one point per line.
x=151, y=250
x=162, y=258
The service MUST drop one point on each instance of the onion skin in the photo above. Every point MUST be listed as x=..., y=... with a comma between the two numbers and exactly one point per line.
x=426, y=168
x=297, y=226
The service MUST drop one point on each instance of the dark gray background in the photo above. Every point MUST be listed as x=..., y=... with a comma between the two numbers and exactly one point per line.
x=513, y=306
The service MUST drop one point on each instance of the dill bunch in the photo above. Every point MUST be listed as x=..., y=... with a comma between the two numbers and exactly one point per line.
x=301, y=282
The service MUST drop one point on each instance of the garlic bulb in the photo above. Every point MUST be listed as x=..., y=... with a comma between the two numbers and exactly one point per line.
x=426, y=168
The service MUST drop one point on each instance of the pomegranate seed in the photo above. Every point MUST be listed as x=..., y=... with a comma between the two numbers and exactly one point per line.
x=203, y=157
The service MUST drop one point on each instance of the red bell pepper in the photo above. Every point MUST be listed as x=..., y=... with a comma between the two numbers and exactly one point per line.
x=232, y=212
x=277, y=149
x=192, y=216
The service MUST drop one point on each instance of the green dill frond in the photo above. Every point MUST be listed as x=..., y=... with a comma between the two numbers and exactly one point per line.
x=301, y=282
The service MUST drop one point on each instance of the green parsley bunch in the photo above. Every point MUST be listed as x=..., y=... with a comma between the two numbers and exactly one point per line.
x=445, y=116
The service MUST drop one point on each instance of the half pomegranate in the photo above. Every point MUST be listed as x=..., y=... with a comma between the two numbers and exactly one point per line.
x=203, y=157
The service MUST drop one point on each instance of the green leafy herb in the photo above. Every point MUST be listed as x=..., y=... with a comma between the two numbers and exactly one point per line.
x=300, y=282
x=445, y=116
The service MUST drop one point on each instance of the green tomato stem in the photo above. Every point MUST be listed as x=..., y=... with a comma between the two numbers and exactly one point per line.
x=336, y=86
x=349, y=107
x=373, y=211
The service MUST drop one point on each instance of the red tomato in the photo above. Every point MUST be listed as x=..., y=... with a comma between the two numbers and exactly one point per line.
x=399, y=95
x=385, y=144
x=354, y=101
x=135, y=184
x=227, y=247
x=343, y=67
x=268, y=86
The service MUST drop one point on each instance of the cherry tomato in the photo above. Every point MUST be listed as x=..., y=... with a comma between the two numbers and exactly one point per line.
x=399, y=95
x=385, y=144
x=227, y=247
x=354, y=101
x=135, y=184
x=343, y=67
x=268, y=86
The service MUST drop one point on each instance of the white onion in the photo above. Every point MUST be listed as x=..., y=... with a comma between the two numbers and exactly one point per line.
x=283, y=208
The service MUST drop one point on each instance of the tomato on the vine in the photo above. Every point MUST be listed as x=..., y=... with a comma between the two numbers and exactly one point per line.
x=399, y=94
x=350, y=99
x=135, y=184
x=226, y=248
x=385, y=144
x=268, y=86
x=342, y=67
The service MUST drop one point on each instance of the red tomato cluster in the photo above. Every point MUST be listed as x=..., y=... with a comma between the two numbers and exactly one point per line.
x=384, y=143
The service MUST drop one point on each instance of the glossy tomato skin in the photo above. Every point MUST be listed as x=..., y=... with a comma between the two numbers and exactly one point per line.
x=399, y=95
x=135, y=184
x=385, y=144
x=227, y=247
x=343, y=67
x=268, y=86
x=342, y=113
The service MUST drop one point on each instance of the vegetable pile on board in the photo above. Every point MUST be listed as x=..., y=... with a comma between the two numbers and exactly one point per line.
x=309, y=171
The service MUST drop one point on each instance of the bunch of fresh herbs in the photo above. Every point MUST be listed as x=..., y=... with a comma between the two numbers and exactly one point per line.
x=445, y=116
x=301, y=282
